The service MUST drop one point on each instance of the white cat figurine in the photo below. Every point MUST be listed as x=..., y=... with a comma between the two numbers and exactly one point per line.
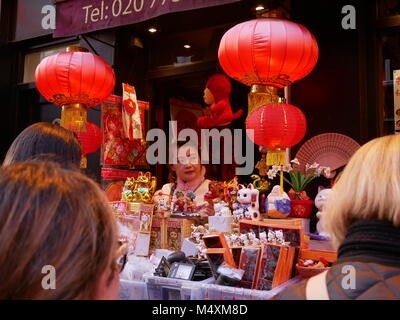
x=320, y=199
x=221, y=209
x=248, y=201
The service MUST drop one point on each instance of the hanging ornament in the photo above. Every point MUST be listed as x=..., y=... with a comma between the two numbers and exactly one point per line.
x=276, y=126
x=131, y=113
x=90, y=138
x=74, y=80
x=267, y=54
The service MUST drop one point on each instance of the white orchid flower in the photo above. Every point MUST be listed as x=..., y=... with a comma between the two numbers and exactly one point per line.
x=295, y=161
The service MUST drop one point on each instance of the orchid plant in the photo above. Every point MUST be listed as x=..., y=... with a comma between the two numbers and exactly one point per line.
x=297, y=179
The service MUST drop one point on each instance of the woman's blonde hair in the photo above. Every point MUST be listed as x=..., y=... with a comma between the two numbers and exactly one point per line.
x=369, y=188
x=52, y=216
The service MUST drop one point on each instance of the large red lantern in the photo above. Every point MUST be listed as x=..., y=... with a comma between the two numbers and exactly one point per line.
x=267, y=54
x=276, y=126
x=75, y=80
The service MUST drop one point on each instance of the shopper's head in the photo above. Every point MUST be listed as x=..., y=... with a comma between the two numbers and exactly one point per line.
x=45, y=141
x=51, y=216
x=188, y=166
x=369, y=188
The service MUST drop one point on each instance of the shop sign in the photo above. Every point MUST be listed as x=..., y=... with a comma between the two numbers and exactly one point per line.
x=81, y=16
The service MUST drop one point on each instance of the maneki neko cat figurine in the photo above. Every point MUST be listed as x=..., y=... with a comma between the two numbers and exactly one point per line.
x=140, y=189
x=247, y=205
x=320, y=199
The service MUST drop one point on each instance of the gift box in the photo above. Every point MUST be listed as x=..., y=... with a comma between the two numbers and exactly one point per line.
x=117, y=150
x=220, y=224
x=176, y=231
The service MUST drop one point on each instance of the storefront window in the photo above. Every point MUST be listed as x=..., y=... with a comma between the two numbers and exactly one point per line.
x=186, y=47
x=33, y=59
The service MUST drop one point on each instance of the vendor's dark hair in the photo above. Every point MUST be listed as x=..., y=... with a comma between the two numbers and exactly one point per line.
x=45, y=141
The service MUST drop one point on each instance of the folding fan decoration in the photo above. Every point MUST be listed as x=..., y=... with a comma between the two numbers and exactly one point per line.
x=331, y=150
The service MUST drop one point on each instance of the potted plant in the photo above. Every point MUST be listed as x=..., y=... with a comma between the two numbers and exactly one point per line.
x=301, y=205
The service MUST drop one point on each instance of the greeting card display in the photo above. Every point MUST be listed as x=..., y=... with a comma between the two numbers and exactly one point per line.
x=145, y=213
x=177, y=230
x=158, y=234
x=117, y=149
x=128, y=224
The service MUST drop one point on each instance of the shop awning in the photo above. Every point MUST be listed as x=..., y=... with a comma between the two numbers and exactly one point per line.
x=76, y=17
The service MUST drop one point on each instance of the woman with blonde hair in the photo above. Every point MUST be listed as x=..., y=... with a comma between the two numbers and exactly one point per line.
x=57, y=235
x=362, y=217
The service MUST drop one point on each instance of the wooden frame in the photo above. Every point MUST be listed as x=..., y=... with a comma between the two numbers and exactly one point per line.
x=250, y=260
x=217, y=240
x=260, y=226
x=276, y=266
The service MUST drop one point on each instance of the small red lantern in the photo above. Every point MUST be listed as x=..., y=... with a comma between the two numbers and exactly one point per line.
x=267, y=54
x=89, y=138
x=74, y=80
x=276, y=126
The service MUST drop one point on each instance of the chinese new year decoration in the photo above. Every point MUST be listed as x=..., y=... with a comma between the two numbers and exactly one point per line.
x=74, y=80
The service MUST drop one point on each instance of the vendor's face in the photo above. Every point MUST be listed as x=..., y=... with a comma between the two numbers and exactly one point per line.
x=188, y=167
x=208, y=96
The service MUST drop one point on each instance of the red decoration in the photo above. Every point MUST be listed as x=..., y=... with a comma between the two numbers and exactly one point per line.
x=221, y=113
x=277, y=125
x=90, y=139
x=268, y=51
x=75, y=77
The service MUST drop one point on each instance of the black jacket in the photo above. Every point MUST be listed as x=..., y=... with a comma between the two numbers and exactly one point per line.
x=371, y=252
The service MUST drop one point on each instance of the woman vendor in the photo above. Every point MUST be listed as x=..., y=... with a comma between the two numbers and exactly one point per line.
x=188, y=184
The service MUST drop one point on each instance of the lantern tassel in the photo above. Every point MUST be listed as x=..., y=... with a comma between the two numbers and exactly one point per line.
x=276, y=157
x=261, y=95
x=83, y=162
x=75, y=114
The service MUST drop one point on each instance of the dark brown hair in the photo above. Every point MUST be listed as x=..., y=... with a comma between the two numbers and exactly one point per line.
x=57, y=217
x=45, y=141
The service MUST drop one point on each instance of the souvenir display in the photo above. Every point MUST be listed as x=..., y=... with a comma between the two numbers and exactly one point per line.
x=249, y=262
x=162, y=205
x=277, y=203
x=231, y=189
x=139, y=189
x=117, y=149
x=320, y=199
x=247, y=205
x=276, y=266
x=113, y=181
x=176, y=231
x=128, y=224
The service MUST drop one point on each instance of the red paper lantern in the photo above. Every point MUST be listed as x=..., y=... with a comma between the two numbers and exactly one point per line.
x=75, y=80
x=268, y=51
x=90, y=139
x=277, y=125
x=75, y=77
